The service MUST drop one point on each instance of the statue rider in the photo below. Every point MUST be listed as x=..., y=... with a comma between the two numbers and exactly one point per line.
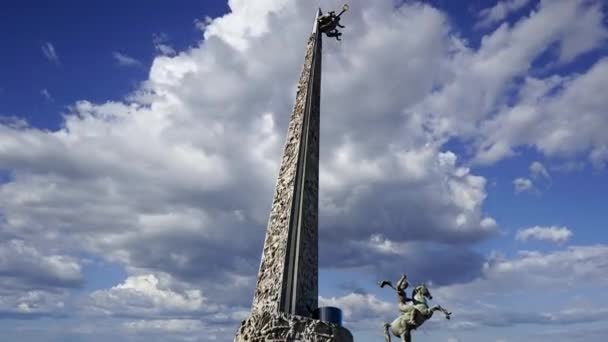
x=403, y=299
x=330, y=22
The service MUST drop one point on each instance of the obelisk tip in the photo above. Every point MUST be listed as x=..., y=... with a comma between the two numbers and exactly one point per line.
x=314, y=27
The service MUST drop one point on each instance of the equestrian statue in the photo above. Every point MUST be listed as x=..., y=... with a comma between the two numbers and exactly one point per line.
x=329, y=23
x=412, y=315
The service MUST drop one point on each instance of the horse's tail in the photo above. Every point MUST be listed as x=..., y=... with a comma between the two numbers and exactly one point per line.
x=387, y=334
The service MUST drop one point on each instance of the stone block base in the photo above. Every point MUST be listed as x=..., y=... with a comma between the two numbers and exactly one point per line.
x=281, y=327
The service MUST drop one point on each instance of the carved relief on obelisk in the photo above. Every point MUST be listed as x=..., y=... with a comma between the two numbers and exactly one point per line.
x=287, y=279
x=285, y=298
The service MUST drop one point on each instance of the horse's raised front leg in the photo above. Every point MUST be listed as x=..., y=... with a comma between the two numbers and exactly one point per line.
x=442, y=309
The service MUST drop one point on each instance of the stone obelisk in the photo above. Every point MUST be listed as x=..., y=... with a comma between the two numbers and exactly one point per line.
x=287, y=286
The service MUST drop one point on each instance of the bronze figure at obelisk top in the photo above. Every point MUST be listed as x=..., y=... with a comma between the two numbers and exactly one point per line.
x=285, y=300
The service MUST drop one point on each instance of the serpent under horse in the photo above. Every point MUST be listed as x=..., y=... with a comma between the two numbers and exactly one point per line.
x=419, y=313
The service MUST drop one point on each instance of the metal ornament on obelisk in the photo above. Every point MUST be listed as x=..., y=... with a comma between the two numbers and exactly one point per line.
x=285, y=300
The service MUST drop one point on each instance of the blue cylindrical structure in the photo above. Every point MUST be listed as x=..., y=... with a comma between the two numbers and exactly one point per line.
x=329, y=314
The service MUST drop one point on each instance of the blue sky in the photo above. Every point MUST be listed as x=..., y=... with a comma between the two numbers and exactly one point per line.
x=86, y=35
x=462, y=144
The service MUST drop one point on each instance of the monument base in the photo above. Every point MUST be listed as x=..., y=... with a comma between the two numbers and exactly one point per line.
x=282, y=327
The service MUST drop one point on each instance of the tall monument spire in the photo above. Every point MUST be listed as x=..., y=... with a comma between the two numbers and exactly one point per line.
x=287, y=279
x=286, y=293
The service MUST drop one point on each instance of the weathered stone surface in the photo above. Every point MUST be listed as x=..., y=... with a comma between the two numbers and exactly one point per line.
x=302, y=146
x=287, y=286
x=284, y=327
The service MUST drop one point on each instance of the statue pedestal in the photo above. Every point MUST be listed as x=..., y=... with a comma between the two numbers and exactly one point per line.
x=282, y=327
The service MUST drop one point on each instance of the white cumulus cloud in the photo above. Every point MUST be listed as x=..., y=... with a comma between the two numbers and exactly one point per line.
x=147, y=294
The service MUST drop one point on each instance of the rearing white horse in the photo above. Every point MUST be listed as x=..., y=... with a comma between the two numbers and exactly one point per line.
x=419, y=313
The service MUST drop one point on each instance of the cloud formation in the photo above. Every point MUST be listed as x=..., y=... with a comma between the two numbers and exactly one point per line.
x=175, y=182
x=552, y=234
x=24, y=267
x=534, y=271
x=124, y=60
x=522, y=184
x=34, y=283
x=499, y=12
x=46, y=94
x=538, y=170
x=507, y=54
x=147, y=295
x=161, y=44
x=49, y=52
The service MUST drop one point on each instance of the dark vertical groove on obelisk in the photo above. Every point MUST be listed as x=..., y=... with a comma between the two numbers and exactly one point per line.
x=301, y=281
x=288, y=274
